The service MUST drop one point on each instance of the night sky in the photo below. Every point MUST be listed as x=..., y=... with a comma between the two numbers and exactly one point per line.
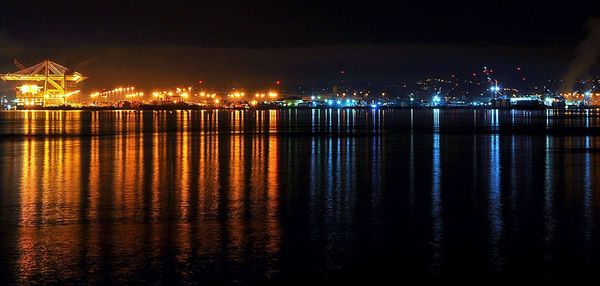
x=231, y=42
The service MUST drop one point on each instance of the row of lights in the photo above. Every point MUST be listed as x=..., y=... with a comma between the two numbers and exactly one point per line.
x=118, y=90
x=134, y=95
x=181, y=92
x=587, y=93
x=34, y=89
x=29, y=89
x=207, y=95
x=270, y=94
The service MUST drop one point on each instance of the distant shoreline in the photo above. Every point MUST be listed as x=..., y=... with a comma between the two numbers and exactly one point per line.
x=159, y=108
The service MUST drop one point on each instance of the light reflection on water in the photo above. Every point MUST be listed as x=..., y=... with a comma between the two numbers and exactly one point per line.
x=246, y=196
x=436, y=196
x=495, y=202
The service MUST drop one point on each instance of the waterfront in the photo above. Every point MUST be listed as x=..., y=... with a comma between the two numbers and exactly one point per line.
x=298, y=195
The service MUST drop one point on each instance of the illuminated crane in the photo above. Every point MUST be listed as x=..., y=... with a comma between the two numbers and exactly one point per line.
x=44, y=84
x=18, y=64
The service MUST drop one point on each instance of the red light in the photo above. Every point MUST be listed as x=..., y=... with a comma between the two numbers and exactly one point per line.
x=278, y=82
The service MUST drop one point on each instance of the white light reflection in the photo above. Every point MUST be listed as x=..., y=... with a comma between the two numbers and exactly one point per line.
x=436, y=198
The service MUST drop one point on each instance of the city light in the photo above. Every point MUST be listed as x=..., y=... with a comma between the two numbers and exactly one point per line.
x=337, y=97
x=236, y=95
x=72, y=93
x=299, y=142
x=134, y=95
x=29, y=89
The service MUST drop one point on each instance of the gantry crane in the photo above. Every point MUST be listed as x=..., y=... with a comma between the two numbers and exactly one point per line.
x=44, y=84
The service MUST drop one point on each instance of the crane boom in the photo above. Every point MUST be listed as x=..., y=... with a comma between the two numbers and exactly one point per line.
x=18, y=64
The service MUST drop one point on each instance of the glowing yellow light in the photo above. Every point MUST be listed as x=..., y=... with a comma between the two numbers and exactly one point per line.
x=217, y=101
x=236, y=94
x=273, y=94
x=29, y=88
x=72, y=93
x=253, y=102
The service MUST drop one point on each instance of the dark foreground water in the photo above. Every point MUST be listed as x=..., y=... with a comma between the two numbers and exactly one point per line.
x=298, y=196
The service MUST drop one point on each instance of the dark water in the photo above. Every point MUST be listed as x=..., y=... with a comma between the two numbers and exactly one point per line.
x=298, y=196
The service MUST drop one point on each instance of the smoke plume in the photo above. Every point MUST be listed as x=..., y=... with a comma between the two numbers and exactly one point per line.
x=586, y=54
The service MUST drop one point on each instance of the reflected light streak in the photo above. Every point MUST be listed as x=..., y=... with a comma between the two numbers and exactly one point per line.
x=436, y=199
x=549, y=223
x=495, y=202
